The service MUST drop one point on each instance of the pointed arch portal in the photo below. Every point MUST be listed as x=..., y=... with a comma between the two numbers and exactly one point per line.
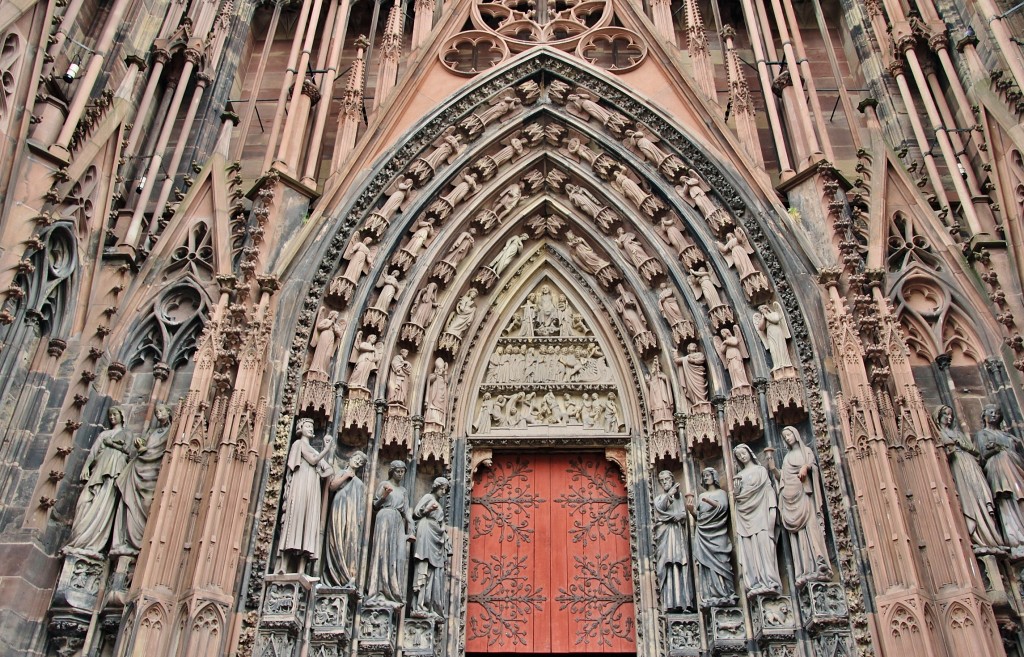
x=546, y=293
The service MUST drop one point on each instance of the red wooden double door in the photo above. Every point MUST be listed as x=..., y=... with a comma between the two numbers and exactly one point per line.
x=549, y=561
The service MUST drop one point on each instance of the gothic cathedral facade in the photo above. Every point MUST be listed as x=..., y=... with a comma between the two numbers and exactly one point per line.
x=479, y=328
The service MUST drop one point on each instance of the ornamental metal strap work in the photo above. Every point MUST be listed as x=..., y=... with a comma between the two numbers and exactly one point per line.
x=549, y=557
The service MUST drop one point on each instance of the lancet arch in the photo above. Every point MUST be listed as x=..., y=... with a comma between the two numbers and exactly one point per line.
x=612, y=202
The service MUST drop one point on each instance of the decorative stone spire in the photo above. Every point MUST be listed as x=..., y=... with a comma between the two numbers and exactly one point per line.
x=700, y=54
x=739, y=99
x=423, y=22
x=390, y=53
x=351, y=106
x=661, y=14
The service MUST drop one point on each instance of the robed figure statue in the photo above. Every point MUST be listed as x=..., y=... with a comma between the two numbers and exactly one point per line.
x=137, y=485
x=671, y=546
x=757, y=509
x=430, y=552
x=391, y=537
x=1004, y=469
x=300, y=522
x=712, y=550
x=346, y=519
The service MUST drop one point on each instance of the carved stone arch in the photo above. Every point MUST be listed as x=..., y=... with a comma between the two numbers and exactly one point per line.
x=960, y=622
x=960, y=340
x=322, y=259
x=904, y=626
x=12, y=51
x=168, y=329
x=205, y=636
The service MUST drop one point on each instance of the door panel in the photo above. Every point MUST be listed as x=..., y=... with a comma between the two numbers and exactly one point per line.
x=549, y=569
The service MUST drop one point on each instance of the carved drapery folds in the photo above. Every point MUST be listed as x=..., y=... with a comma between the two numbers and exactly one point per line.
x=519, y=282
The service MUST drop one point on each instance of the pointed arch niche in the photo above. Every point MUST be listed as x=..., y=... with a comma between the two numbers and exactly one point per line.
x=494, y=171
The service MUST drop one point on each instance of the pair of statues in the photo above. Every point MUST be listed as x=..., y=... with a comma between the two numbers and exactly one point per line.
x=763, y=497
x=989, y=477
x=120, y=476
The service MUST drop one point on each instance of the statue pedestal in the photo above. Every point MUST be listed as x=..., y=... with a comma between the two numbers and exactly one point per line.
x=727, y=630
x=774, y=618
x=330, y=628
x=419, y=636
x=683, y=635
x=823, y=604
x=80, y=580
x=376, y=630
x=286, y=602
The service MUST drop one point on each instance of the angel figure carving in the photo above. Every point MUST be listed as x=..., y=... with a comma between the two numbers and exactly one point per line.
x=499, y=108
x=705, y=286
x=737, y=252
x=424, y=231
x=330, y=326
x=446, y=151
x=770, y=322
x=396, y=199
x=583, y=200
x=694, y=191
x=733, y=351
x=584, y=104
x=628, y=242
x=629, y=188
x=390, y=289
x=365, y=356
x=669, y=304
x=360, y=256
x=584, y=255
x=640, y=140
x=671, y=234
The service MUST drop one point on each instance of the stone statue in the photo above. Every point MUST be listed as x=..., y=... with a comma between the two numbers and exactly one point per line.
x=98, y=502
x=669, y=305
x=367, y=355
x=462, y=317
x=360, y=258
x=490, y=413
x=693, y=189
x=300, y=521
x=671, y=546
x=629, y=188
x=507, y=201
x=395, y=200
x=423, y=306
x=647, y=148
x=1004, y=469
x=737, y=253
x=770, y=322
x=584, y=255
x=460, y=248
x=346, y=520
x=612, y=421
x=137, y=485
x=756, y=518
x=430, y=553
x=733, y=352
x=436, y=403
x=711, y=546
x=512, y=248
x=975, y=495
x=705, y=286
x=398, y=379
x=390, y=289
x=391, y=535
x=330, y=326
x=424, y=230
x=801, y=507
x=659, y=397
x=695, y=378
x=583, y=200
x=668, y=230
x=585, y=105
x=627, y=306
x=631, y=246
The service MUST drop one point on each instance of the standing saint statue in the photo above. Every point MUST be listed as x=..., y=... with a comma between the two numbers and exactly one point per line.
x=712, y=549
x=975, y=495
x=670, y=305
x=756, y=517
x=346, y=519
x=329, y=329
x=800, y=507
x=98, y=502
x=733, y=352
x=695, y=378
x=137, y=485
x=398, y=378
x=737, y=253
x=430, y=553
x=770, y=322
x=627, y=306
x=1004, y=469
x=367, y=355
x=300, y=520
x=659, y=401
x=423, y=306
x=391, y=536
x=671, y=546
x=435, y=403
x=508, y=253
